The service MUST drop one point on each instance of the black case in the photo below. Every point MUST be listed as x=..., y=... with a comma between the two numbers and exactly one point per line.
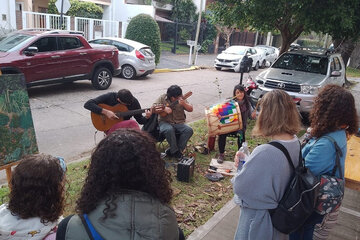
x=185, y=169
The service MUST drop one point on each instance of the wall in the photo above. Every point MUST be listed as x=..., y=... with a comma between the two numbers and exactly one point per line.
x=40, y=5
x=7, y=11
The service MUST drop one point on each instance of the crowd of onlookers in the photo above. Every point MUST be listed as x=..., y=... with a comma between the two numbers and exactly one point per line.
x=127, y=191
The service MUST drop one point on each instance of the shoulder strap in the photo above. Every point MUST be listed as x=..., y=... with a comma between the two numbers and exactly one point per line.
x=338, y=155
x=93, y=234
x=285, y=151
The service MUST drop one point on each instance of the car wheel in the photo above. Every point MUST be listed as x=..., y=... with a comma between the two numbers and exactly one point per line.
x=102, y=78
x=263, y=65
x=256, y=66
x=128, y=72
x=218, y=68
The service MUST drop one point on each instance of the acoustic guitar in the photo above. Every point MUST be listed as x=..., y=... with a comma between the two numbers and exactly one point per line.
x=102, y=123
x=185, y=96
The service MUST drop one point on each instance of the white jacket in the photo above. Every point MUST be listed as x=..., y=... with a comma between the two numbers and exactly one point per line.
x=14, y=228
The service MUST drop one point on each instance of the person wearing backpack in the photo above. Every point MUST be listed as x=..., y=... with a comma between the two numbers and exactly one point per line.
x=333, y=118
x=261, y=182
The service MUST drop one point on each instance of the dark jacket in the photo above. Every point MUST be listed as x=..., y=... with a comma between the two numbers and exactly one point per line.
x=138, y=217
x=111, y=100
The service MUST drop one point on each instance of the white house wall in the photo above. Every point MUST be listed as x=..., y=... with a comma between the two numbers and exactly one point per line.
x=7, y=10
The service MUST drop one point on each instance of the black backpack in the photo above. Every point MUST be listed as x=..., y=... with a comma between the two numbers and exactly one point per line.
x=152, y=127
x=299, y=198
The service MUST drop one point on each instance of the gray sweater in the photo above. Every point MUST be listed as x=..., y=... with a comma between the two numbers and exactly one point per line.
x=259, y=186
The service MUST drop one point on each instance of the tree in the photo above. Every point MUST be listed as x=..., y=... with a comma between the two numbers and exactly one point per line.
x=79, y=9
x=143, y=28
x=184, y=11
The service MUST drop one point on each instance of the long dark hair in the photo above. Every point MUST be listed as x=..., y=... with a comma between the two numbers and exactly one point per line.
x=126, y=159
x=246, y=98
x=37, y=188
x=334, y=109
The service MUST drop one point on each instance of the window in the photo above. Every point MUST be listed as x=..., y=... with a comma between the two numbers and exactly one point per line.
x=70, y=43
x=46, y=44
x=101, y=41
x=122, y=47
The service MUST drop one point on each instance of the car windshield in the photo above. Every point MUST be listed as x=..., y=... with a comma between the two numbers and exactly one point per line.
x=235, y=50
x=304, y=63
x=13, y=41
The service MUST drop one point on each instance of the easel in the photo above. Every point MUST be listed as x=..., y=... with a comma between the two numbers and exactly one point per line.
x=7, y=168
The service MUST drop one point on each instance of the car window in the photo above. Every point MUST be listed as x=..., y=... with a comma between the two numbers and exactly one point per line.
x=70, y=43
x=123, y=47
x=147, y=52
x=235, y=50
x=10, y=41
x=46, y=44
x=102, y=41
x=337, y=64
x=304, y=63
x=253, y=51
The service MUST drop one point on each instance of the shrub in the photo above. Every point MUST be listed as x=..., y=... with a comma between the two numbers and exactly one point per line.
x=205, y=45
x=79, y=9
x=143, y=28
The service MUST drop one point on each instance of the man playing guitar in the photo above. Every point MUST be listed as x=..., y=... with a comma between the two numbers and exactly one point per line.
x=172, y=121
x=123, y=97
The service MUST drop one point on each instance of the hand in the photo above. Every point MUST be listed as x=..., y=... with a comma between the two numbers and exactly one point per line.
x=237, y=157
x=148, y=113
x=167, y=110
x=253, y=114
x=181, y=101
x=110, y=114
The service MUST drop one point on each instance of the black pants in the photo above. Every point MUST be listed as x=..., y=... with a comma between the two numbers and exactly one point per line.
x=222, y=139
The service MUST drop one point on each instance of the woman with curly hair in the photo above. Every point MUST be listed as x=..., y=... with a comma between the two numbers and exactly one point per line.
x=36, y=200
x=126, y=193
x=333, y=116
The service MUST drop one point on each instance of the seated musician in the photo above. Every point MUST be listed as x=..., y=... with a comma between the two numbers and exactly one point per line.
x=124, y=97
x=172, y=122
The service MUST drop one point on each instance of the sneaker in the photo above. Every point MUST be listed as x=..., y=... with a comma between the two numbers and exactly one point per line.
x=168, y=153
x=178, y=155
x=221, y=158
x=163, y=155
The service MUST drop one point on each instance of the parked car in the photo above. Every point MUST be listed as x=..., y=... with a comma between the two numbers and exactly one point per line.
x=232, y=56
x=136, y=59
x=301, y=73
x=46, y=57
x=271, y=54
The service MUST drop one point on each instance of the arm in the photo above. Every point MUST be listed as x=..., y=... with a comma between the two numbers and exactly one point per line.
x=187, y=106
x=92, y=104
x=139, y=117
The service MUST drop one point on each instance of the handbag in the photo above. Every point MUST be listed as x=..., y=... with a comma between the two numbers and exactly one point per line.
x=331, y=191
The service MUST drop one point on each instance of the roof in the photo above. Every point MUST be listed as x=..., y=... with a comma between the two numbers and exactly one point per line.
x=161, y=19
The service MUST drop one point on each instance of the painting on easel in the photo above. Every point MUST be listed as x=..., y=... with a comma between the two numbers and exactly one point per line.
x=17, y=134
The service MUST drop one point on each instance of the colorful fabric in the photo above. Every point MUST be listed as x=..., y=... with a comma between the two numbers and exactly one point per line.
x=227, y=109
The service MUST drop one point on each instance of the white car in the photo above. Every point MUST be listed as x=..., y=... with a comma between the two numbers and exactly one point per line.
x=232, y=56
x=271, y=53
x=136, y=59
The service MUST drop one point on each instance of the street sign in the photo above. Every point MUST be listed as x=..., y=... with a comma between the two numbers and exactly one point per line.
x=190, y=43
x=66, y=5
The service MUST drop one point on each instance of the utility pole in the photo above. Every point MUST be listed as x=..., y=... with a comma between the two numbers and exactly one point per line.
x=197, y=32
x=61, y=14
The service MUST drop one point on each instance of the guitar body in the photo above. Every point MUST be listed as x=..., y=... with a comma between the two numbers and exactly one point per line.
x=101, y=122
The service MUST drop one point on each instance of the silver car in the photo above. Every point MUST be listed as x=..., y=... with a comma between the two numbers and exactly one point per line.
x=136, y=59
x=301, y=73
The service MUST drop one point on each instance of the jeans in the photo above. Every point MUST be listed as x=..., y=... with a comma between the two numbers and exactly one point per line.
x=169, y=130
x=306, y=232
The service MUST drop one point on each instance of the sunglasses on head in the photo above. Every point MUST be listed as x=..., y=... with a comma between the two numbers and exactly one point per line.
x=62, y=163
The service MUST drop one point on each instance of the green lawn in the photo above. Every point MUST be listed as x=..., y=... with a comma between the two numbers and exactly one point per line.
x=352, y=72
x=194, y=202
x=180, y=49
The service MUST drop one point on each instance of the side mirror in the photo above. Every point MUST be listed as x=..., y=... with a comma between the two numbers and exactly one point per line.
x=335, y=74
x=248, y=54
x=30, y=51
x=267, y=64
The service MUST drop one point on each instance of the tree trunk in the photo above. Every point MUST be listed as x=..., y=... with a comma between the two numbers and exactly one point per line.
x=355, y=57
x=288, y=37
x=216, y=49
x=345, y=47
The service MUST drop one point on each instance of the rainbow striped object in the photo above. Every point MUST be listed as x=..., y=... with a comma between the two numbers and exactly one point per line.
x=225, y=109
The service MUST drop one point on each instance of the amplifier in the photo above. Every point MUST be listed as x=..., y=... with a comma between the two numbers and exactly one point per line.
x=185, y=169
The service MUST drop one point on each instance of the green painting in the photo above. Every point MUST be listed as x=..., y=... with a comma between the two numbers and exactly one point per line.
x=17, y=134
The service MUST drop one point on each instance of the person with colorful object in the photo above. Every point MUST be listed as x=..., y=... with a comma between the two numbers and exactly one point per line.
x=36, y=199
x=242, y=99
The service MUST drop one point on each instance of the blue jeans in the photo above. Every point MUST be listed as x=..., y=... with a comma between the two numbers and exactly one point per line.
x=169, y=130
x=306, y=232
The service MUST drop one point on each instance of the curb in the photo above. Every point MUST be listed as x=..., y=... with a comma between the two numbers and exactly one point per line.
x=164, y=70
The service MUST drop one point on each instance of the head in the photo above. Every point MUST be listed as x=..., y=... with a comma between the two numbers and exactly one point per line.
x=37, y=188
x=126, y=159
x=240, y=93
x=173, y=92
x=334, y=109
x=278, y=115
x=124, y=96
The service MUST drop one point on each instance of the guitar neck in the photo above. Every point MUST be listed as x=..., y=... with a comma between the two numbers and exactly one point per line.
x=131, y=112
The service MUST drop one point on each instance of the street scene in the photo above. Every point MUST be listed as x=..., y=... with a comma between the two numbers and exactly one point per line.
x=208, y=128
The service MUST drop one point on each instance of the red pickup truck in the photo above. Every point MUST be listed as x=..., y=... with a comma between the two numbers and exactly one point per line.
x=46, y=57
